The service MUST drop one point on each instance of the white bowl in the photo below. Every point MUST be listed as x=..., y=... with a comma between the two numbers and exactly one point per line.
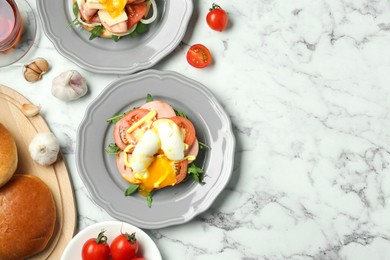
x=147, y=247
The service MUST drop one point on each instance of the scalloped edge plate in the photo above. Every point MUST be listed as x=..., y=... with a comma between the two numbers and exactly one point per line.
x=126, y=56
x=172, y=205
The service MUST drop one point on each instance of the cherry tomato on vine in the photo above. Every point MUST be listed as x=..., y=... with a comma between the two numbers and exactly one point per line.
x=199, y=56
x=217, y=18
x=96, y=248
x=124, y=247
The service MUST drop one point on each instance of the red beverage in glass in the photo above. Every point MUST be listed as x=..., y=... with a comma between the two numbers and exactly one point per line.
x=11, y=24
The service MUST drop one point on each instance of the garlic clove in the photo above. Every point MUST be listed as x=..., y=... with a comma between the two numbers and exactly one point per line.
x=42, y=64
x=69, y=85
x=30, y=75
x=34, y=70
x=34, y=67
x=30, y=110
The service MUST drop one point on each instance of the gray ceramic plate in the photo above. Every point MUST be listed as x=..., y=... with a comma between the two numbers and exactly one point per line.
x=173, y=205
x=106, y=56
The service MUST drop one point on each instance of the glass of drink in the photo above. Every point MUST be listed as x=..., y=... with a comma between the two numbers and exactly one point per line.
x=11, y=24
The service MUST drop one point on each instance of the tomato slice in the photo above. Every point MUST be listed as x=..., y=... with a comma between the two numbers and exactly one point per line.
x=187, y=128
x=135, y=12
x=181, y=171
x=199, y=56
x=116, y=28
x=121, y=137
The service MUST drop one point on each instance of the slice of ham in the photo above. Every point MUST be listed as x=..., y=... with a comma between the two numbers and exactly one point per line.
x=163, y=109
x=86, y=13
x=193, y=150
x=126, y=173
x=117, y=28
x=95, y=19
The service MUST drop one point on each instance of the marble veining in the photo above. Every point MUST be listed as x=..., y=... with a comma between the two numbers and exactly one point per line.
x=306, y=86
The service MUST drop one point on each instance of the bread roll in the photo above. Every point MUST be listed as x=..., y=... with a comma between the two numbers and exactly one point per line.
x=8, y=155
x=27, y=217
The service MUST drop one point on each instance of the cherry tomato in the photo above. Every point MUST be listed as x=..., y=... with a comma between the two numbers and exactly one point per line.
x=96, y=248
x=124, y=247
x=121, y=137
x=217, y=18
x=187, y=128
x=199, y=56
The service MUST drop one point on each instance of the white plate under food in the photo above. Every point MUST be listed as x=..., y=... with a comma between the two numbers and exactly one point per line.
x=147, y=247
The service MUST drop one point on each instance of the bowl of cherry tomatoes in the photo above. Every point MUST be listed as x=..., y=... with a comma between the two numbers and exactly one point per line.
x=111, y=240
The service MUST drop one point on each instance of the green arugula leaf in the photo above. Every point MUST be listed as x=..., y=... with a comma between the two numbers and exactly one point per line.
x=203, y=145
x=141, y=28
x=196, y=173
x=112, y=149
x=115, y=38
x=149, y=98
x=180, y=113
x=131, y=189
x=75, y=21
x=149, y=199
x=75, y=9
x=133, y=34
x=115, y=118
x=95, y=32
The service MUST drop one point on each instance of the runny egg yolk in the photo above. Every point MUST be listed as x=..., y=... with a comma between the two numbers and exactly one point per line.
x=114, y=7
x=161, y=173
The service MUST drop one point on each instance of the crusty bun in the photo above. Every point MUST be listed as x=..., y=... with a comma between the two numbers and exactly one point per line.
x=8, y=155
x=27, y=217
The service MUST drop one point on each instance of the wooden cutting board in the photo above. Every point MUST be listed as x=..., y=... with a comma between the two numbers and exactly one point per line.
x=56, y=176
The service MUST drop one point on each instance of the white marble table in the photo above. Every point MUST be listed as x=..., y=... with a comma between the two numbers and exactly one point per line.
x=306, y=84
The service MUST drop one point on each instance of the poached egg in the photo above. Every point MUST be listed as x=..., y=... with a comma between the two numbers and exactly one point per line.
x=155, y=157
x=114, y=8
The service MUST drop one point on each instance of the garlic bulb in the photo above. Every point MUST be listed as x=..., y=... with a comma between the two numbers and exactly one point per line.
x=44, y=148
x=69, y=85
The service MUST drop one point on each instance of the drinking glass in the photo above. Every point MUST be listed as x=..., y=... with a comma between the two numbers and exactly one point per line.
x=11, y=24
